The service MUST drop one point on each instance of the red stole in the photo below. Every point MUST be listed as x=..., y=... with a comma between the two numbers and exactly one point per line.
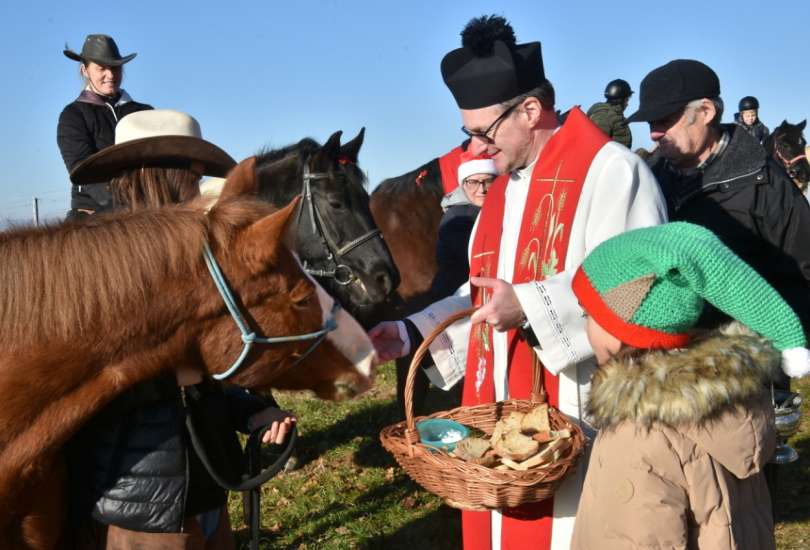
x=554, y=192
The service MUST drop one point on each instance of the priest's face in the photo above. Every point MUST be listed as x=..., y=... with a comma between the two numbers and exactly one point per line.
x=502, y=133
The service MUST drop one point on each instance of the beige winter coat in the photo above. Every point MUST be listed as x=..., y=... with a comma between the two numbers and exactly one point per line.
x=683, y=438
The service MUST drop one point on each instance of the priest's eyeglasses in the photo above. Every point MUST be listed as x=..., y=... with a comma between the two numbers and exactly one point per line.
x=484, y=136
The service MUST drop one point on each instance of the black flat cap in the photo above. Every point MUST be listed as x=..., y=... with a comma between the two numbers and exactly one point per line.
x=669, y=88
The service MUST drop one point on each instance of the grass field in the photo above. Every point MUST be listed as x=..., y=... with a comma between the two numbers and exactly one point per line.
x=349, y=493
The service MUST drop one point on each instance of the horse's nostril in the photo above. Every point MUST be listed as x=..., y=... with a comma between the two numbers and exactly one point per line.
x=384, y=283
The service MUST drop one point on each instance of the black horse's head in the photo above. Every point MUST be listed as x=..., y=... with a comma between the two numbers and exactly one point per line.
x=787, y=145
x=337, y=239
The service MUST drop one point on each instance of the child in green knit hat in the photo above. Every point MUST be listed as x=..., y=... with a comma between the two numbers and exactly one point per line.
x=686, y=424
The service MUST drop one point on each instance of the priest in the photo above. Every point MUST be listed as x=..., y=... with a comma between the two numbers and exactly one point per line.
x=569, y=189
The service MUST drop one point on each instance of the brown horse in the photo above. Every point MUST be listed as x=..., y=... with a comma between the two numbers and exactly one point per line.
x=90, y=310
x=408, y=210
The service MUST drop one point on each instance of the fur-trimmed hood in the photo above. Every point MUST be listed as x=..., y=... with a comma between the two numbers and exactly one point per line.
x=728, y=367
x=712, y=393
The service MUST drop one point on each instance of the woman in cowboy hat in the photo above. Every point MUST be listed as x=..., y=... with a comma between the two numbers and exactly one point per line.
x=131, y=468
x=87, y=124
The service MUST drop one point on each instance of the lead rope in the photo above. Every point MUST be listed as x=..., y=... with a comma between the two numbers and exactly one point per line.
x=249, y=337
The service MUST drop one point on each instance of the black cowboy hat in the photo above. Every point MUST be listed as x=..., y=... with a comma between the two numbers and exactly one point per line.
x=100, y=49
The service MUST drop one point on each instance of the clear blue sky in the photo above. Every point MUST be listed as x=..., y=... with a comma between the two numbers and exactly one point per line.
x=267, y=73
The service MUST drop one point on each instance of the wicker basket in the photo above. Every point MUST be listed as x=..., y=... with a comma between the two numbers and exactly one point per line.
x=471, y=486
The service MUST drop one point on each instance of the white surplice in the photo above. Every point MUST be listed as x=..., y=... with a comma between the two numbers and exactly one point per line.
x=619, y=193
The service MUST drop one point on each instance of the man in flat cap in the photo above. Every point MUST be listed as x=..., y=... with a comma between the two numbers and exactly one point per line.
x=719, y=176
x=569, y=188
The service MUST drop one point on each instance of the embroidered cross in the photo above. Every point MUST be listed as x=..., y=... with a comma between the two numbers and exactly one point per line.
x=556, y=177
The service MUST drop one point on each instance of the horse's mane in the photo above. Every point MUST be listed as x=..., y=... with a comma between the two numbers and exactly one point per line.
x=66, y=280
x=266, y=158
x=306, y=146
x=399, y=185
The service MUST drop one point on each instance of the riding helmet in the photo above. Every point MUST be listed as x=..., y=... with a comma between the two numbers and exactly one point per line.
x=617, y=90
x=748, y=103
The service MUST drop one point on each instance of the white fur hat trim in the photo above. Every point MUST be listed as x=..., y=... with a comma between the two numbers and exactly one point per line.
x=796, y=362
x=476, y=166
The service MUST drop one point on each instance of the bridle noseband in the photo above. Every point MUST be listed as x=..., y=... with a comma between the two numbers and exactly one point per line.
x=339, y=271
x=250, y=337
x=789, y=164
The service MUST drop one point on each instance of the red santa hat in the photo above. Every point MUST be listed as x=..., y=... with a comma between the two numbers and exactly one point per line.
x=472, y=164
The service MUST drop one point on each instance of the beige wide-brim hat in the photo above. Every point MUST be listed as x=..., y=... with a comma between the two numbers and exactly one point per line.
x=158, y=137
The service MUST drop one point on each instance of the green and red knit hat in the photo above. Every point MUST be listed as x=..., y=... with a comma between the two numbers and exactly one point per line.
x=647, y=288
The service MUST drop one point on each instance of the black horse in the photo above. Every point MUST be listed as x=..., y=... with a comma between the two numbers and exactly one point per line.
x=787, y=146
x=336, y=237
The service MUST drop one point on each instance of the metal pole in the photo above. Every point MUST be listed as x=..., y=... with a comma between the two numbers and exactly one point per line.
x=36, y=211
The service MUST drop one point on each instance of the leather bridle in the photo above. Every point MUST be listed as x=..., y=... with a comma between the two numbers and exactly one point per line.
x=336, y=269
x=790, y=165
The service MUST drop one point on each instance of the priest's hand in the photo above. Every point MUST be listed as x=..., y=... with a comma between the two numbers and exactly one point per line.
x=388, y=341
x=503, y=310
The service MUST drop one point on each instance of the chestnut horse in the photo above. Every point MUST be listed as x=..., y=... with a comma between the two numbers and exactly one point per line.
x=788, y=147
x=407, y=209
x=90, y=310
x=336, y=237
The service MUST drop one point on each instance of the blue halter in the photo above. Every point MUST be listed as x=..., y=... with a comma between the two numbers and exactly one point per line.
x=249, y=337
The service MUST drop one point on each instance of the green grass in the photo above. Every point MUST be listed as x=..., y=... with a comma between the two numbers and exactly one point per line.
x=349, y=492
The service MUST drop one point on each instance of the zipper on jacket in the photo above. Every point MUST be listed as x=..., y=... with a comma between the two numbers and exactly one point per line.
x=188, y=467
x=115, y=115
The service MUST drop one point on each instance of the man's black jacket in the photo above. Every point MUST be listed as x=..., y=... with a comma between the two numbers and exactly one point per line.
x=750, y=203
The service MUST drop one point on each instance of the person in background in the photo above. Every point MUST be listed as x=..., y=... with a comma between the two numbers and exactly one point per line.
x=568, y=188
x=748, y=118
x=719, y=176
x=685, y=418
x=461, y=207
x=132, y=468
x=608, y=115
x=87, y=124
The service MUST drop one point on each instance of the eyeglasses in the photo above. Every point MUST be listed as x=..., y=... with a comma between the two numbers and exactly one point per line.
x=484, y=136
x=472, y=184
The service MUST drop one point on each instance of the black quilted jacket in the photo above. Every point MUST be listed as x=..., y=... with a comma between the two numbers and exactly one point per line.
x=132, y=465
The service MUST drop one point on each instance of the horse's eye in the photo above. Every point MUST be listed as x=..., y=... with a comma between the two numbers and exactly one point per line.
x=335, y=201
x=302, y=293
